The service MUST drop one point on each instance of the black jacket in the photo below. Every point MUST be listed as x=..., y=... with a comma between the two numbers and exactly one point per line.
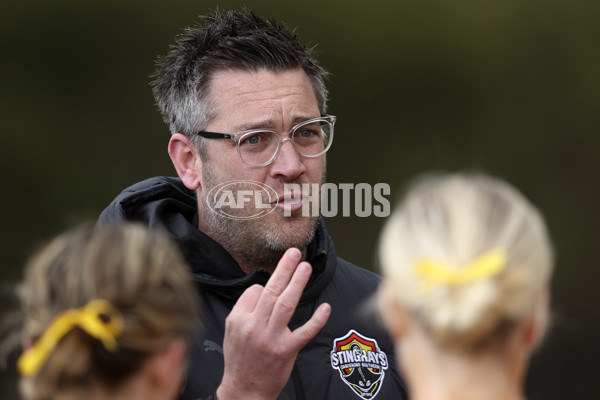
x=351, y=358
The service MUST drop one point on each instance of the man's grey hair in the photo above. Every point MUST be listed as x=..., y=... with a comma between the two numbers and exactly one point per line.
x=230, y=40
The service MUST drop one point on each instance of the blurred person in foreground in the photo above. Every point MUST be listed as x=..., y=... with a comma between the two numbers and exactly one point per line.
x=467, y=262
x=108, y=315
x=246, y=104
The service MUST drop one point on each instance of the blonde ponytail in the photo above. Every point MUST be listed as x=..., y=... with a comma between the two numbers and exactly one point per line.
x=455, y=221
x=139, y=272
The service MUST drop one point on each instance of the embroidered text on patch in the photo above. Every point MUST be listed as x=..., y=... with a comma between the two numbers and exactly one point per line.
x=361, y=363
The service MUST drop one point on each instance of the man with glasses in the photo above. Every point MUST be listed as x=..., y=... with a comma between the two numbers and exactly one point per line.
x=245, y=103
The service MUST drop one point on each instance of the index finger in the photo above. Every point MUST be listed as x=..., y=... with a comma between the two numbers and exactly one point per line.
x=247, y=301
x=278, y=281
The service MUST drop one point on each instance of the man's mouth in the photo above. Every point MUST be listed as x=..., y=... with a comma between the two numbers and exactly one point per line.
x=290, y=201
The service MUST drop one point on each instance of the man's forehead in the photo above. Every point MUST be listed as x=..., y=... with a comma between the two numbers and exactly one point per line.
x=262, y=99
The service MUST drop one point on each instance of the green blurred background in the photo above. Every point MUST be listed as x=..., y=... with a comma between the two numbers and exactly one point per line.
x=508, y=87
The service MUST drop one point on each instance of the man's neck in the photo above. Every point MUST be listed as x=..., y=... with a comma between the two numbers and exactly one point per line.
x=248, y=266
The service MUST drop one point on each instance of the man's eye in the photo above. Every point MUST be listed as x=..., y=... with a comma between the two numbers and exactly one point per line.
x=306, y=133
x=253, y=139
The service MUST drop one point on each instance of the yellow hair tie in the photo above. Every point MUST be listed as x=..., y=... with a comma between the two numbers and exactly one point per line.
x=98, y=318
x=436, y=273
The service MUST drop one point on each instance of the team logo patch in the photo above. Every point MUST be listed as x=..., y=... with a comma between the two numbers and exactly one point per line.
x=361, y=363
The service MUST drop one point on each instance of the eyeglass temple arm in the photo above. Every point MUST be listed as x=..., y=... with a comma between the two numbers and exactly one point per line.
x=214, y=135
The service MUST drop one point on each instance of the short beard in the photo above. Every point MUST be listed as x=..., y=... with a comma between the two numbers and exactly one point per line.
x=253, y=243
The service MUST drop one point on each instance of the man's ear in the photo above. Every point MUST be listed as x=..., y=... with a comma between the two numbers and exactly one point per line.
x=393, y=314
x=186, y=161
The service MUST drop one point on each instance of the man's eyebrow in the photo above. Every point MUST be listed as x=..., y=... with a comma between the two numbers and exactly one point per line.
x=269, y=123
x=265, y=124
x=303, y=118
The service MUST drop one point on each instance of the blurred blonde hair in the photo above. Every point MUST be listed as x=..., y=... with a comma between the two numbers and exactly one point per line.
x=454, y=219
x=139, y=271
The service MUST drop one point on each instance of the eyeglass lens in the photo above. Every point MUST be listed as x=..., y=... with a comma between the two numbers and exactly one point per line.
x=310, y=139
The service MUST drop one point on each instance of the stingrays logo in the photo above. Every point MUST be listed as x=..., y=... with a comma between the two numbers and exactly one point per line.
x=361, y=363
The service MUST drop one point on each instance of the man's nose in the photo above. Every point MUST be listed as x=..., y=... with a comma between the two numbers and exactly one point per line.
x=288, y=162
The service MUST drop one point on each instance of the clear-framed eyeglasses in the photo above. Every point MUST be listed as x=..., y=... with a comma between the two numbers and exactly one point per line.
x=259, y=147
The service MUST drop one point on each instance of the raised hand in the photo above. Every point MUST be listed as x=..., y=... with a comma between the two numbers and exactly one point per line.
x=259, y=348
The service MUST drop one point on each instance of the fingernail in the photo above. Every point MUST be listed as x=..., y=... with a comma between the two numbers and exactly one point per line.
x=304, y=268
x=295, y=254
